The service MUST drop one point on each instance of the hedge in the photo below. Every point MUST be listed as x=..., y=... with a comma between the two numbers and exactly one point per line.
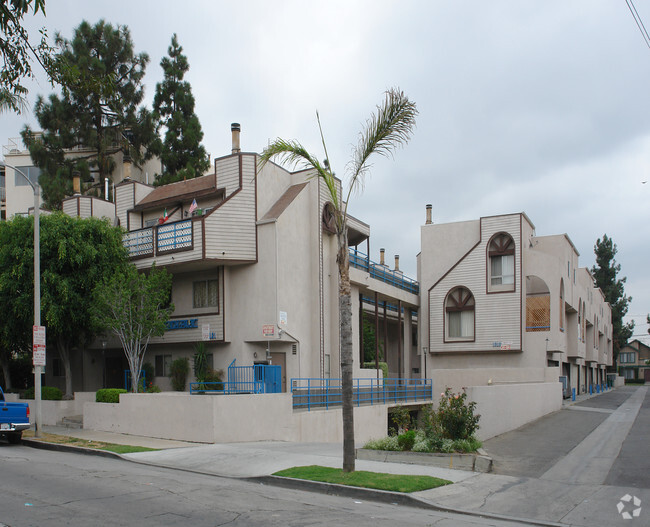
x=109, y=395
x=48, y=393
x=382, y=366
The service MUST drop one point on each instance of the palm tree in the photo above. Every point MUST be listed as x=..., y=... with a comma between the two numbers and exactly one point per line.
x=386, y=129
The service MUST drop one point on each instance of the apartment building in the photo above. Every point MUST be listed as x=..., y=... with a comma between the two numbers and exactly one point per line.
x=254, y=274
x=501, y=305
x=19, y=194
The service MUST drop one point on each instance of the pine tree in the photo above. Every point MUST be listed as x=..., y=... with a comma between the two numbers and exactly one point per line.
x=605, y=274
x=99, y=118
x=182, y=154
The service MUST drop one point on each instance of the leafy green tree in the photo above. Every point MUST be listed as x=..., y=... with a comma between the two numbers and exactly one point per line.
x=76, y=254
x=605, y=274
x=182, y=154
x=390, y=127
x=19, y=51
x=370, y=342
x=134, y=306
x=97, y=118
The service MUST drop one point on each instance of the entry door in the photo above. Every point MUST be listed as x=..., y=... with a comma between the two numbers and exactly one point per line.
x=280, y=359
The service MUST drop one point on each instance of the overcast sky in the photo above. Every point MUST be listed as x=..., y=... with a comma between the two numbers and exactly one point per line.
x=534, y=106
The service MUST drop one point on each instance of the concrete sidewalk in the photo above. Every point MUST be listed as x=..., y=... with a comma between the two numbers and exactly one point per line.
x=564, y=495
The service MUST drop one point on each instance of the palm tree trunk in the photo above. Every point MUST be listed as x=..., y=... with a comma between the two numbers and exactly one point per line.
x=345, y=312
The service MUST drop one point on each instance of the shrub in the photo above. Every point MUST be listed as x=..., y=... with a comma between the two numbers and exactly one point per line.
x=454, y=418
x=178, y=373
x=383, y=366
x=200, y=362
x=109, y=395
x=48, y=393
x=152, y=388
x=406, y=440
x=402, y=418
x=385, y=443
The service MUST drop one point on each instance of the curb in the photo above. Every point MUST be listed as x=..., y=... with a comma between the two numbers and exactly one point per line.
x=44, y=445
x=382, y=496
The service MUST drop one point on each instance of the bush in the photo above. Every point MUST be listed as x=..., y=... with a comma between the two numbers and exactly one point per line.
x=178, y=373
x=385, y=443
x=383, y=366
x=406, y=440
x=401, y=417
x=109, y=395
x=48, y=393
x=454, y=418
x=200, y=362
x=152, y=388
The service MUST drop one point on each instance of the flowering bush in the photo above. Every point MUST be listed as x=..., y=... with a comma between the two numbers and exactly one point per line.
x=454, y=419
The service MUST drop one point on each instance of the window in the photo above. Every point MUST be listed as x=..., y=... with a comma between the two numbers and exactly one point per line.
x=31, y=172
x=206, y=293
x=459, y=314
x=163, y=364
x=627, y=358
x=501, y=263
x=562, y=307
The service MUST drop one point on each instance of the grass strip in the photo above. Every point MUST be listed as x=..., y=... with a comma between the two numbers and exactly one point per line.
x=360, y=478
x=85, y=443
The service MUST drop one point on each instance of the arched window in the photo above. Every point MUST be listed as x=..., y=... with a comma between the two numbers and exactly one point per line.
x=459, y=314
x=501, y=263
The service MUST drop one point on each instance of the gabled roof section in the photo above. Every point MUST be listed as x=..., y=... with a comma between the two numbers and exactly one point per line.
x=180, y=191
x=285, y=200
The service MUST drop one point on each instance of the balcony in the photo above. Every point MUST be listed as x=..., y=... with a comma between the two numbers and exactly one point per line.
x=361, y=261
x=160, y=240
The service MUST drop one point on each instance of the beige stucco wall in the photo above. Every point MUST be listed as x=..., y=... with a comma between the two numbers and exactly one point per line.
x=506, y=407
x=223, y=418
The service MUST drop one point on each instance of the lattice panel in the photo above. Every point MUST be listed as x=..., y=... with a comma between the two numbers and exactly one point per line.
x=538, y=313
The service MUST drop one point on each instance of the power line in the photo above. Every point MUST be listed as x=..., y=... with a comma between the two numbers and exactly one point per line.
x=639, y=22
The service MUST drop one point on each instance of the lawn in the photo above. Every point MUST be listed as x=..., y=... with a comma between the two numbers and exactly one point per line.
x=360, y=478
x=85, y=443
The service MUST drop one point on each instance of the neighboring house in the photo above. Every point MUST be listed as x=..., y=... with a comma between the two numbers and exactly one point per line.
x=20, y=197
x=634, y=361
x=254, y=275
x=501, y=305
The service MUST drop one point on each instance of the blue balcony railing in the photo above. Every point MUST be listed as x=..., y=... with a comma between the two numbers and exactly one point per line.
x=361, y=261
x=310, y=394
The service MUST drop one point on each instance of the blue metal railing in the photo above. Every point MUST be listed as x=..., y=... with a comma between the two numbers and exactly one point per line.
x=358, y=260
x=259, y=378
x=327, y=393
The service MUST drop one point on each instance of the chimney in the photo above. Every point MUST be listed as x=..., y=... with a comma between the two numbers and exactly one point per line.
x=235, y=128
x=397, y=263
x=429, y=220
x=382, y=251
x=126, y=168
x=76, y=183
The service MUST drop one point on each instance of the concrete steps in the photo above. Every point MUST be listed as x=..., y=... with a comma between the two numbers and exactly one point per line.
x=73, y=421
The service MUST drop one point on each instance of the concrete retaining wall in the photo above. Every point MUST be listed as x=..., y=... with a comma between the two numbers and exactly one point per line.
x=52, y=412
x=228, y=418
x=505, y=407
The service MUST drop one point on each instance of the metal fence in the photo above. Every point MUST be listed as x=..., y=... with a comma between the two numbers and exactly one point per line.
x=256, y=379
x=313, y=393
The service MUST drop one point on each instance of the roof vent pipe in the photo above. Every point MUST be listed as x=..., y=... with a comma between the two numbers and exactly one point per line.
x=397, y=263
x=429, y=220
x=235, y=128
x=382, y=251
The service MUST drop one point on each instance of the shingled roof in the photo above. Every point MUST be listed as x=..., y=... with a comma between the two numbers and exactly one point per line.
x=179, y=192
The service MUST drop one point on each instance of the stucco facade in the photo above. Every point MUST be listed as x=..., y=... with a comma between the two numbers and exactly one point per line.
x=501, y=305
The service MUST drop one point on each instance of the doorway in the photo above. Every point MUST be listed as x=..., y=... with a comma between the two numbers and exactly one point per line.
x=280, y=359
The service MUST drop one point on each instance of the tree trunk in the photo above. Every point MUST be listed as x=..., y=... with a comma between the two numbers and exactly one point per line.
x=345, y=313
x=4, y=363
x=64, y=353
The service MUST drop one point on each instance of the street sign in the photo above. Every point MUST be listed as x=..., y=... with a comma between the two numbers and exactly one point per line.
x=38, y=345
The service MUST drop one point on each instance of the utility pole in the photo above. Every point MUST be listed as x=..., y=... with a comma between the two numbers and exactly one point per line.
x=40, y=362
